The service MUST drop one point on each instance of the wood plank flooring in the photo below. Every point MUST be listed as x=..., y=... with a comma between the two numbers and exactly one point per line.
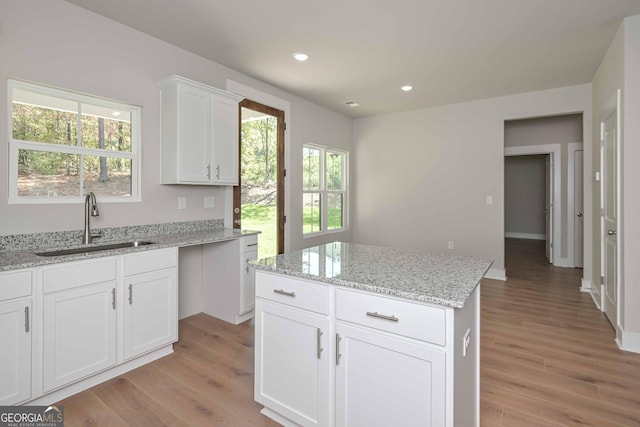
x=548, y=359
x=548, y=356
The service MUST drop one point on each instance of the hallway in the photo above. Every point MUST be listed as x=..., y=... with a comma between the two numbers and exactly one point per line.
x=548, y=356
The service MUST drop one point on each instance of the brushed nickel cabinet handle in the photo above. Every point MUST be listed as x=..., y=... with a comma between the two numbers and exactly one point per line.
x=130, y=294
x=382, y=316
x=26, y=319
x=218, y=172
x=319, y=342
x=252, y=244
x=283, y=292
x=247, y=265
x=113, y=298
x=208, y=171
x=338, y=355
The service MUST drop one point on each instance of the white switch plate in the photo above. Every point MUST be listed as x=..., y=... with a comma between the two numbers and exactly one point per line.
x=489, y=200
x=209, y=201
x=450, y=244
x=182, y=203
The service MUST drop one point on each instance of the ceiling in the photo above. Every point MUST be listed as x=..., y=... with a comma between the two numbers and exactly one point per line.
x=364, y=50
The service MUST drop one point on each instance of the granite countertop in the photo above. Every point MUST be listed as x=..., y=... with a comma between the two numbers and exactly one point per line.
x=436, y=278
x=18, y=257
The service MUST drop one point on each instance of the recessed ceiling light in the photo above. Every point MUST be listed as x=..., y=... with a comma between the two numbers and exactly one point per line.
x=299, y=56
x=351, y=103
x=406, y=88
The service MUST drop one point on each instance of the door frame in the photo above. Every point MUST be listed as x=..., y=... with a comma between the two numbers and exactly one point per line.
x=613, y=105
x=571, y=203
x=280, y=169
x=556, y=221
x=280, y=104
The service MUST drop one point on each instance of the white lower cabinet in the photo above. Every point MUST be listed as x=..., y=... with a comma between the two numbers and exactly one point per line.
x=151, y=304
x=292, y=363
x=15, y=336
x=79, y=333
x=382, y=380
x=386, y=362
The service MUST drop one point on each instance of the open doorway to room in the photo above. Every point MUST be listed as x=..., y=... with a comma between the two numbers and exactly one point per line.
x=544, y=189
x=258, y=202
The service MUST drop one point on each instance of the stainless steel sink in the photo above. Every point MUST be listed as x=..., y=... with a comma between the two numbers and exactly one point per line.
x=89, y=249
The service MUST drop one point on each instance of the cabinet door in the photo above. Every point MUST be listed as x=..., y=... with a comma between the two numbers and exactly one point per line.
x=15, y=357
x=225, y=140
x=194, y=134
x=247, y=282
x=150, y=311
x=292, y=363
x=79, y=333
x=382, y=380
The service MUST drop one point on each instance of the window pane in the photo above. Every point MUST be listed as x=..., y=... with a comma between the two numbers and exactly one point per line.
x=311, y=217
x=335, y=167
x=107, y=176
x=335, y=204
x=106, y=128
x=41, y=124
x=310, y=169
x=45, y=174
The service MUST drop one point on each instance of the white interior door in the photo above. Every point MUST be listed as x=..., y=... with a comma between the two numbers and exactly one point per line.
x=548, y=210
x=578, y=196
x=610, y=218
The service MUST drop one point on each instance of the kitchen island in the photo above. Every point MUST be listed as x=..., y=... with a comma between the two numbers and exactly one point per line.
x=358, y=335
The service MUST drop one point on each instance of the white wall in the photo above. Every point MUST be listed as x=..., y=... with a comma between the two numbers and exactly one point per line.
x=422, y=177
x=524, y=196
x=563, y=130
x=59, y=44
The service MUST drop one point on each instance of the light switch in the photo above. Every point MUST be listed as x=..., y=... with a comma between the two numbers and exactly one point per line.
x=209, y=201
x=489, y=200
x=182, y=203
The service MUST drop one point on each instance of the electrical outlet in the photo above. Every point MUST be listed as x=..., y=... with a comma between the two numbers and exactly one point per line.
x=182, y=203
x=466, y=340
x=489, y=200
x=450, y=244
x=209, y=201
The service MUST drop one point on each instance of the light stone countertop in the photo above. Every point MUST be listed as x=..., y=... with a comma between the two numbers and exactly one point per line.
x=16, y=258
x=436, y=278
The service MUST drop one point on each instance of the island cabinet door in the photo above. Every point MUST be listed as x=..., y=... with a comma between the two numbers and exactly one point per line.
x=292, y=363
x=382, y=380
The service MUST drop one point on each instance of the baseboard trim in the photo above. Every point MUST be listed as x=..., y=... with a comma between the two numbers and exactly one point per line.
x=595, y=299
x=564, y=262
x=629, y=341
x=585, y=285
x=529, y=236
x=496, y=274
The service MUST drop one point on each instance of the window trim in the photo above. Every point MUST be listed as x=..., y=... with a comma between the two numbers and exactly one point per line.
x=15, y=145
x=324, y=192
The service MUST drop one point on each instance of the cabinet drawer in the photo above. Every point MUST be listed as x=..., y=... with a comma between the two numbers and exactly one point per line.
x=15, y=284
x=295, y=292
x=249, y=243
x=422, y=322
x=144, y=262
x=72, y=275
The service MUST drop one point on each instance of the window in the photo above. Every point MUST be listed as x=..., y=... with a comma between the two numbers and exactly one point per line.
x=324, y=189
x=64, y=144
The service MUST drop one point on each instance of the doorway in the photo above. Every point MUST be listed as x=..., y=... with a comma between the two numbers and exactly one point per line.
x=258, y=200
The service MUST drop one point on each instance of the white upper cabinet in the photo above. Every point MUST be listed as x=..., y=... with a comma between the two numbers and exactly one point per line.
x=199, y=133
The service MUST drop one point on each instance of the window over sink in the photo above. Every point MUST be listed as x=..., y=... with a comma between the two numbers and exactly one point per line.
x=64, y=144
x=324, y=189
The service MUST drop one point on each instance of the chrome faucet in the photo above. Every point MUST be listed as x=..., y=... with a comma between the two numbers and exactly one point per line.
x=90, y=209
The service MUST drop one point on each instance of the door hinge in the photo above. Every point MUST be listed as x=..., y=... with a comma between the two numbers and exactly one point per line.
x=284, y=172
x=602, y=280
x=284, y=219
x=285, y=125
x=601, y=212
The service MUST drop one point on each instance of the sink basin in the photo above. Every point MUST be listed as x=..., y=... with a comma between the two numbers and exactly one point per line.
x=89, y=249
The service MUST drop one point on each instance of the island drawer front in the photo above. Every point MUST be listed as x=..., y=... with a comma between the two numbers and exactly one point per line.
x=422, y=322
x=144, y=262
x=294, y=292
x=71, y=275
x=15, y=284
x=249, y=243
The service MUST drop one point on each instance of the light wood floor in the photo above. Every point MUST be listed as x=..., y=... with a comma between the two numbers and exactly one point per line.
x=548, y=359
